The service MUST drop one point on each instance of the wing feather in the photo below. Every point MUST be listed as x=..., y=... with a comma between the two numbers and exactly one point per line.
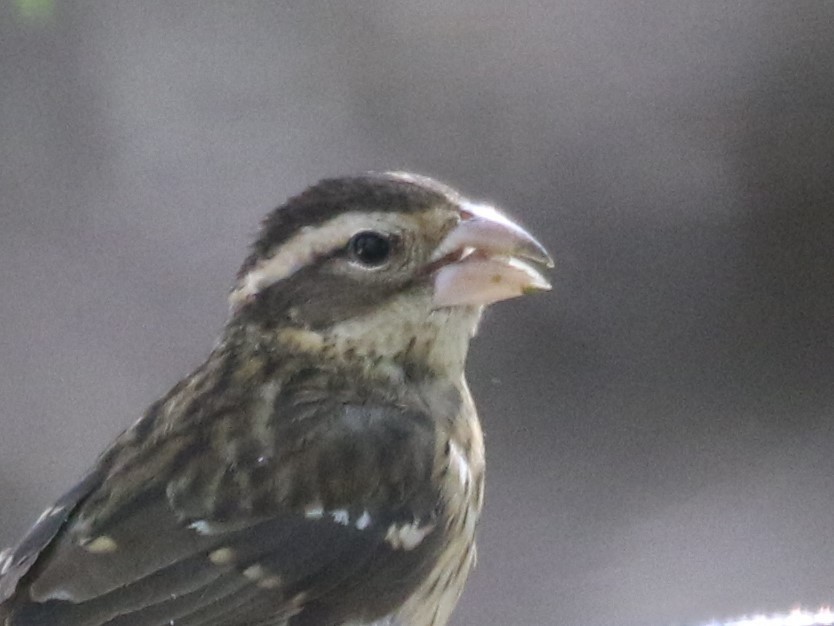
x=323, y=556
x=20, y=560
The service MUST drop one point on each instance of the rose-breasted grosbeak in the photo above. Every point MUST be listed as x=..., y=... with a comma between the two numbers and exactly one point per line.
x=325, y=465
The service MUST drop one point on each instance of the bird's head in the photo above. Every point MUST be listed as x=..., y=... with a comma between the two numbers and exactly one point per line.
x=388, y=266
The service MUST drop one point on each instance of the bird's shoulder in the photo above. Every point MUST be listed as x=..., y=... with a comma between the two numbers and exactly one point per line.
x=249, y=477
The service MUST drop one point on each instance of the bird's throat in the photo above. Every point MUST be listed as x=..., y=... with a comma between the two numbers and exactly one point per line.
x=399, y=341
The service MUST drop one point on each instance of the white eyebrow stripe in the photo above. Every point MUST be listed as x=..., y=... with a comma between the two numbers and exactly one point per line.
x=301, y=249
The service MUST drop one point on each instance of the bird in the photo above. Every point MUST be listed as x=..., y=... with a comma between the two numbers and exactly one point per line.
x=324, y=466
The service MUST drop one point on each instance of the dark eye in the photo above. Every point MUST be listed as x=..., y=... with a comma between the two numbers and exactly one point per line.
x=369, y=248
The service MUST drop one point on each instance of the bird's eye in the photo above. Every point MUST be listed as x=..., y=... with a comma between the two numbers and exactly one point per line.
x=369, y=248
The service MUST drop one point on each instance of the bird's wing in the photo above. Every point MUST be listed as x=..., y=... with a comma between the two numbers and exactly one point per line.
x=15, y=563
x=332, y=519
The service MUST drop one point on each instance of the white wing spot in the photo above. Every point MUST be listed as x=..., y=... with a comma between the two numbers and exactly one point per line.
x=222, y=556
x=60, y=593
x=340, y=516
x=364, y=521
x=299, y=599
x=202, y=527
x=313, y=512
x=407, y=536
x=254, y=572
x=257, y=574
x=270, y=582
x=103, y=544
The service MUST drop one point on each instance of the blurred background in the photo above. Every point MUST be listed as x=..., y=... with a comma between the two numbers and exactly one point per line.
x=659, y=426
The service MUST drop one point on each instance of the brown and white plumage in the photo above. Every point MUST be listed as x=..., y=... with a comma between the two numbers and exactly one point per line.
x=324, y=466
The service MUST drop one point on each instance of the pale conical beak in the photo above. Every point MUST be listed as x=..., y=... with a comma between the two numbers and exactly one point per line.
x=487, y=258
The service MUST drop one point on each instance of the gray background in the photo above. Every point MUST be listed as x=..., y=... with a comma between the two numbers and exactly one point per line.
x=658, y=426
